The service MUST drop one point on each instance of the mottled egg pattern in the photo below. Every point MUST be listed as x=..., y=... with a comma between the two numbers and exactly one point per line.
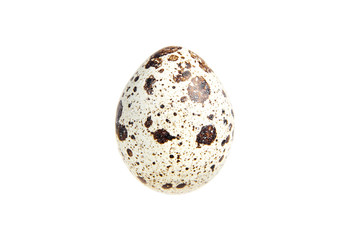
x=174, y=122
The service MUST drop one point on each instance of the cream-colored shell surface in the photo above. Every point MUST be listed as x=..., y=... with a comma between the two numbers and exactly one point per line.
x=174, y=122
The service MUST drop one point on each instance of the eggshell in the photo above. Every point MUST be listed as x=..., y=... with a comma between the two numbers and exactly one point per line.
x=174, y=122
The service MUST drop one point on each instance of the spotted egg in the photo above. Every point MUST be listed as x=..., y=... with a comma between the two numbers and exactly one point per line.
x=174, y=122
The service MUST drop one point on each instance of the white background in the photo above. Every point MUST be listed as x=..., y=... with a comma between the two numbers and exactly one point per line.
x=291, y=69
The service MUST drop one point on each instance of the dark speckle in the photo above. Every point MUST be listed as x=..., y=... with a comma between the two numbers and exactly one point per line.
x=132, y=137
x=230, y=127
x=222, y=157
x=212, y=167
x=232, y=112
x=129, y=152
x=207, y=135
x=136, y=79
x=135, y=89
x=223, y=92
x=142, y=179
x=211, y=116
x=148, y=122
x=225, y=141
x=167, y=186
x=119, y=111
x=161, y=70
x=225, y=122
x=181, y=185
x=171, y=156
x=183, y=99
x=121, y=132
x=149, y=84
x=162, y=136
x=162, y=106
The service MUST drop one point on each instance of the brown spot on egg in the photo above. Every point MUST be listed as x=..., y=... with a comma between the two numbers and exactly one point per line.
x=121, y=132
x=183, y=99
x=161, y=70
x=198, y=90
x=129, y=152
x=222, y=157
x=153, y=62
x=119, y=111
x=206, y=135
x=166, y=50
x=225, y=141
x=162, y=136
x=181, y=185
x=182, y=76
x=212, y=167
x=211, y=117
x=167, y=186
x=223, y=92
x=202, y=63
x=187, y=65
x=148, y=122
x=149, y=82
x=142, y=179
x=173, y=58
x=136, y=79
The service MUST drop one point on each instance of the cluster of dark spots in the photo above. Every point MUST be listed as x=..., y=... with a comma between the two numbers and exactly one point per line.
x=212, y=167
x=153, y=62
x=206, y=135
x=129, y=152
x=181, y=185
x=121, y=132
x=182, y=76
x=166, y=50
x=135, y=89
x=142, y=179
x=162, y=106
x=222, y=157
x=223, y=92
x=132, y=137
x=198, y=90
x=149, y=88
x=230, y=127
x=211, y=117
x=196, y=114
x=119, y=111
x=162, y=136
x=183, y=99
x=202, y=63
x=225, y=141
x=168, y=121
x=173, y=57
x=225, y=121
x=148, y=122
x=167, y=186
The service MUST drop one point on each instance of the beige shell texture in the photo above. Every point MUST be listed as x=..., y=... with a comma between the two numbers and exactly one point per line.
x=174, y=122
